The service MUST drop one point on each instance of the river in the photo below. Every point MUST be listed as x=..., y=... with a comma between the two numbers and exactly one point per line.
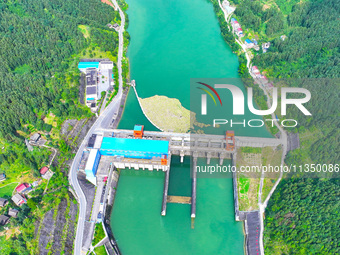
x=171, y=42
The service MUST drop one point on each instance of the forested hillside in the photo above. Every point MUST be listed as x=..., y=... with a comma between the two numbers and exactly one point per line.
x=309, y=57
x=38, y=38
x=302, y=216
x=41, y=44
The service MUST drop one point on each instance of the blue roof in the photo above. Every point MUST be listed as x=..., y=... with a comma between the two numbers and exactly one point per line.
x=248, y=41
x=128, y=144
x=83, y=65
x=233, y=19
x=138, y=128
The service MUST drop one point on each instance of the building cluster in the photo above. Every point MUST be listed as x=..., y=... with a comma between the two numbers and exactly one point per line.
x=21, y=190
x=252, y=44
x=265, y=47
x=132, y=152
x=99, y=78
x=4, y=219
x=260, y=78
x=236, y=27
x=227, y=7
x=19, y=198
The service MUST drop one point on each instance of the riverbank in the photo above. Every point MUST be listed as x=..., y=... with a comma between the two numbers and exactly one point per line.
x=283, y=135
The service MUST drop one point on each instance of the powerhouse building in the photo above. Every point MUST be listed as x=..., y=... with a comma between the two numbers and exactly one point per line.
x=128, y=152
x=134, y=148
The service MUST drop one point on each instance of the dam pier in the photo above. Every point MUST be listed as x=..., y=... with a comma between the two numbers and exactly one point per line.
x=152, y=150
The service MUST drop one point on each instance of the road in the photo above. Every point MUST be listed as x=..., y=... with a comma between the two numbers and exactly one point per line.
x=103, y=121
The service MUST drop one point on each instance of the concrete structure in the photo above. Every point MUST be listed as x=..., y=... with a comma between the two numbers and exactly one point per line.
x=134, y=148
x=249, y=43
x=106, y=65
x=137, y=153
x=131, y=151
x=3, y=202
x=46, y=173
x=2, y=177
x=239, y=32
x=99, y=78
x=23, y=187
x=13, y=212
x=91, y=141
x=18, y=199
x=34, y=138
x=226, y=6
x=265, y=46
x=92, y=166
x=4, y=220
x=43, y=170
x=252, y=231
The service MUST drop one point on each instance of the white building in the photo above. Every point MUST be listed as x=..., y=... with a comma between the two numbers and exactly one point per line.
x=105, y=65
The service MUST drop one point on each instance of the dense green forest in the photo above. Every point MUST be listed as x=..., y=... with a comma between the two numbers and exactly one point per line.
x=38, y=38
x=302, y=216
x=309, y=58
x=41, y=44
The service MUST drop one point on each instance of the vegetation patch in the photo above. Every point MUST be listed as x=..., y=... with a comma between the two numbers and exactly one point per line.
x=99, y=234
x=6, y=191
x=85, y=30
x=300, y=214
x=248, y=182
x=168, y=113
x=100, y=250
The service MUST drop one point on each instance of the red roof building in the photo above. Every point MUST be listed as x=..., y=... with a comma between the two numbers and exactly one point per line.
x=43, y=170
x=22, y=187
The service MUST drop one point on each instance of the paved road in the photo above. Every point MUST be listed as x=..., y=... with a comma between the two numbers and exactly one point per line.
x=103, y=121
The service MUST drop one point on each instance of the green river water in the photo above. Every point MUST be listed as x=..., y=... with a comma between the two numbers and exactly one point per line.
x=171, y=42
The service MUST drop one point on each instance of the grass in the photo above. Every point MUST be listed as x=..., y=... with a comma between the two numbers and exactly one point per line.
x=97, y=53
x=50, y=119
x=85, y=30
x=248, y=193
x=248, y=183
x=99, y=234
x=100, y=250
x=8, y=190
x=244, y=185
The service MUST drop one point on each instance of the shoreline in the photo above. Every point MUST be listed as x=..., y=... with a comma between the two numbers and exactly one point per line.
x=283, y=138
